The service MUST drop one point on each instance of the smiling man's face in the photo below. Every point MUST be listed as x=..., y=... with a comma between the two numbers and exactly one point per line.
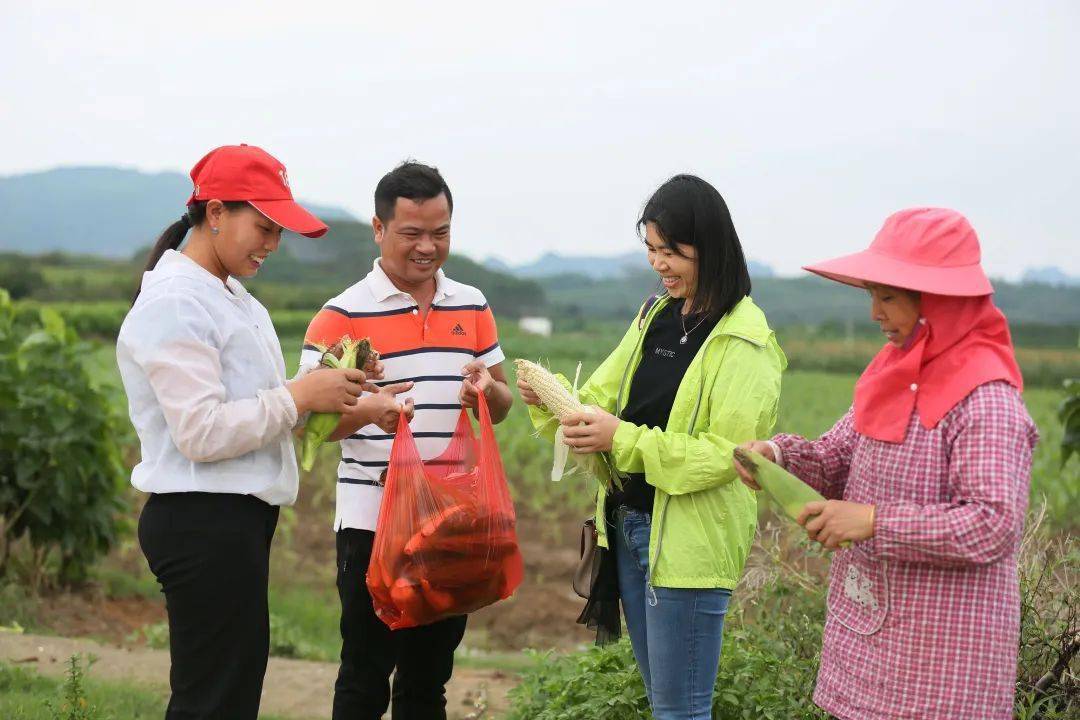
x=415, y=242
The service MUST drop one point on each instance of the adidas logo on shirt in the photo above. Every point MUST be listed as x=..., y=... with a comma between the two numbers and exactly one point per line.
x=458, y=330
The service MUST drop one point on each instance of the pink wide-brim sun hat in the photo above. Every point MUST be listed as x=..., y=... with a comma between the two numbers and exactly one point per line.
x=932, y=250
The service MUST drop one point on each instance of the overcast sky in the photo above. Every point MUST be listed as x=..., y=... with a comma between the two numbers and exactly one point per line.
x=554, y=121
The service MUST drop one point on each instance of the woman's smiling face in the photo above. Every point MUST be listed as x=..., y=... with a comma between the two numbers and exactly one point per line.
x=895, y=310
x=244, y=238
x=677, y=272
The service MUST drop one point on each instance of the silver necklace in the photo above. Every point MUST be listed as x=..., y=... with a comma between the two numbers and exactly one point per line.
x=686, y=333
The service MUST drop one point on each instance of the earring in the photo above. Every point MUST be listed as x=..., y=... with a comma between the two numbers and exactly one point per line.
x=214, y=230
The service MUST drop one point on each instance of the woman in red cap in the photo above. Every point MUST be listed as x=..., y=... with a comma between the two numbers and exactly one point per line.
x=209, y=399
x=927, y=477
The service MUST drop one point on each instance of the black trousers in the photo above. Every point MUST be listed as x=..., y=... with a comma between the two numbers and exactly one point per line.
x=211, y=554
x=370, y=651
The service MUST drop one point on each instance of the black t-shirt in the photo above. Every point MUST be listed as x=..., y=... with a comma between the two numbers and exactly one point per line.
x=664, y=361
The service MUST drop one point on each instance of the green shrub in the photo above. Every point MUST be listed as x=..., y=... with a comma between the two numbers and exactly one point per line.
x=762, y=675
x=1048, y=676
x=19, y=275
x=75, y=705
x=772, y=641
x=599, y=684
x=156, y=635
x=18, y=607
x=1069, y=415
x=287, y=640
x=26, y=695
x=61, y=471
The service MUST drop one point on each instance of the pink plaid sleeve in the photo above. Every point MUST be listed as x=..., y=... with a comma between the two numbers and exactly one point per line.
x=823, y=463
x=991, y=441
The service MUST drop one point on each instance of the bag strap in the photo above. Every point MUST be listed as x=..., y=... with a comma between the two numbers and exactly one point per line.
x=489, y=451
x=483, y=414
x=649, y=302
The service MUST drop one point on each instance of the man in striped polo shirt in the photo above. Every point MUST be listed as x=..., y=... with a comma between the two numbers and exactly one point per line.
x=439, y=336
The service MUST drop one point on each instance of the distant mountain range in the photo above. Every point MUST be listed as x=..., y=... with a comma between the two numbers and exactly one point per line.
x=807, y=301
x=104, y=211
x=594, y=267
x=1050, y=276
x=114, y=212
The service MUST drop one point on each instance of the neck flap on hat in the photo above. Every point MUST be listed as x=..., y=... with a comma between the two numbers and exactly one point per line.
x=963, y=342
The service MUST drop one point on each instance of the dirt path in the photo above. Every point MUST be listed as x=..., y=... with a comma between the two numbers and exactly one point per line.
x=297, y=689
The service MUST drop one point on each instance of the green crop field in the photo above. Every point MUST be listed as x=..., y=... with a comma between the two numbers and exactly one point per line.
x=816, y=391
x=811, y=401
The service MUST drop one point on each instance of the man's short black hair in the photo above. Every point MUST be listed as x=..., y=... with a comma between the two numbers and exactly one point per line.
x=411, y=180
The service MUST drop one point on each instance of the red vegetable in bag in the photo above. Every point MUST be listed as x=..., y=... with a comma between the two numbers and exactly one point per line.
x=446, y=542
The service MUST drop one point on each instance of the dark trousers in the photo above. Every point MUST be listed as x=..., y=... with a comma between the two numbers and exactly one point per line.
x=370, y=651
x=211, y=554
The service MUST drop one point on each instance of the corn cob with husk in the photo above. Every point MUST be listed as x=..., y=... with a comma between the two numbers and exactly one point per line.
x=562, y=403
x=552, y=393
x=791, y=493
x=354, y=354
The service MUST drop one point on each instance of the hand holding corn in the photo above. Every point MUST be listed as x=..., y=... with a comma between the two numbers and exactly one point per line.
x=332, y=391
x=585, y=429
x=761, y=448
x=373, y=368
x=790, y=493
x=592, y=431
x=540, y=388
x=321, y=424
x=528, y=395
x=831, y=526
x=837, y=523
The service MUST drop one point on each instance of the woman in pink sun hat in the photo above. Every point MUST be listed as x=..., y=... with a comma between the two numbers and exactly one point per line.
x=927, y=477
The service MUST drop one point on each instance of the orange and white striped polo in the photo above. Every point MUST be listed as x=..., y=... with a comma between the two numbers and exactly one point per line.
x=430, y=352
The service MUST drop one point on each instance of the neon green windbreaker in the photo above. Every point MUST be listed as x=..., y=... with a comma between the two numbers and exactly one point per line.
x=703, y=517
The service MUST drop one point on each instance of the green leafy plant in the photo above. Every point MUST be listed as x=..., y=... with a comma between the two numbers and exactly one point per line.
x=75, y=705
x=287, y=640
x=156, y=635
x=1069, y=415
x=600, y=684
x=61, y=472
x=1048, y=677
x=768, y=664
x=772, y=640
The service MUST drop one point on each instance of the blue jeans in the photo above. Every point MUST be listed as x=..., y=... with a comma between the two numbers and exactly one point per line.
x=676, y=633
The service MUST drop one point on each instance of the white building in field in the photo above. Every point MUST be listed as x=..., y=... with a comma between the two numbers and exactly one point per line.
x=536, y=326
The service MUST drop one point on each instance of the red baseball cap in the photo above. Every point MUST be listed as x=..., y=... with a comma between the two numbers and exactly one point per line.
x=248, y=173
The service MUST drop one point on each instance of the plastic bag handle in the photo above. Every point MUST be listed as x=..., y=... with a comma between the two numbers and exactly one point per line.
x=487, y=427
x=402, y=426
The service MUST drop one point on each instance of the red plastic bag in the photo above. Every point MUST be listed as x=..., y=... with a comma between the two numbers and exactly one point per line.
x=446, y=539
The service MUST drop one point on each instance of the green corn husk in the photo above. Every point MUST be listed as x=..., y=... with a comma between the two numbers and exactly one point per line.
x=788, y=491
x=320, y=425
x=791, y=493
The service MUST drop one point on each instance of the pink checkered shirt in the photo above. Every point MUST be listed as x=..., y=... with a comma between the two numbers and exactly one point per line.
x=924, y=618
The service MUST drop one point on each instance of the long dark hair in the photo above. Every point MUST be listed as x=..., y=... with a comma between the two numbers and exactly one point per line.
x=173, y=236
x=686, y=210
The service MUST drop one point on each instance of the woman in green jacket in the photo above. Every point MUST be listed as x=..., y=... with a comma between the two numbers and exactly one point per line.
x=697, y=373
